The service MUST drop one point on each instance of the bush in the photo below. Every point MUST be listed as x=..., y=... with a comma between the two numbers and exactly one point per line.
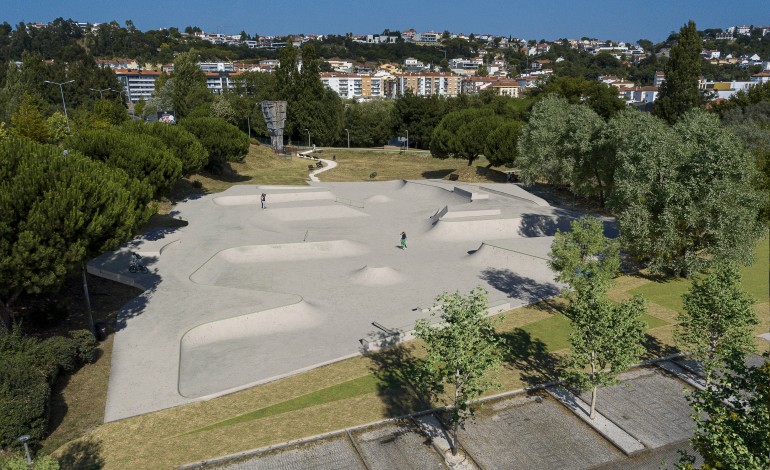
x=224, y=142
x=145, y=158
x=28, y=369
x=182, y=143
x=85, y=346
x=19, y=462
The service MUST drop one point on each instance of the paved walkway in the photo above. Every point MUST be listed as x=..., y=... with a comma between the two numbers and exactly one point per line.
x=242, y=295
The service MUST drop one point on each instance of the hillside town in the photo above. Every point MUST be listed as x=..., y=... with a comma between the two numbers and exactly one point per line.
x=486, y=70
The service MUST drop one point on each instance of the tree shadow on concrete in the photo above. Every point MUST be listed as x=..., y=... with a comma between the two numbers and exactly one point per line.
x=81, y=455
x=540, y=225
x=398, y=372
x=159, y=226
x=518, y=287
x=531, y=358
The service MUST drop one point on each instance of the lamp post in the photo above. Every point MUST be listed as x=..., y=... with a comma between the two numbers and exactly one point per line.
x=64, y=103
x=308, y=137
x=23, y=439
x=407, y=139
x=101, y=90
x=348, y=131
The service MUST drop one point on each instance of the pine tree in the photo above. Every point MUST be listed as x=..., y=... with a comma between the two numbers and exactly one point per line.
x=679, y=93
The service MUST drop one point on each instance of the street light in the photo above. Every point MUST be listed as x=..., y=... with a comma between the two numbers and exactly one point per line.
x=23, y=439
x=348, y=131
x=407, y=139
x=64, y=103
x=101, y=90
x=308, y=137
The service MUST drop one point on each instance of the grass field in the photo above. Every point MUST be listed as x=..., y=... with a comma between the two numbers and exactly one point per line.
x=343, y=394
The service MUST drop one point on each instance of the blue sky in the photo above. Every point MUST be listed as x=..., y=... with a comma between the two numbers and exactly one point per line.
x=533, y=19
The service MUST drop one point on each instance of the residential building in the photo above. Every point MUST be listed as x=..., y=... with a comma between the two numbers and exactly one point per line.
x=761, y=77
x=429, y=83
x=509, y=88
x=358, y=86
x=137, y=83
x=711, y=55
x=659, y=78
x=430, y=37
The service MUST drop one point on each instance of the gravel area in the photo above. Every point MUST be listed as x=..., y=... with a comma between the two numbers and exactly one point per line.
x=333, y=454
x=651, y=407
x=534, y=432
x=398, y=446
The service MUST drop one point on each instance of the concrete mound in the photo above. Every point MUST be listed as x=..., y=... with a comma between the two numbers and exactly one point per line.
x=223, y=261
x=377, y=276
x=378, y=199
x=467, y=230
x=292, y=214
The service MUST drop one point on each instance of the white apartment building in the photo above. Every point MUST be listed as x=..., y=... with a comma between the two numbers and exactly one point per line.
x=357, y=86
x=140, y=84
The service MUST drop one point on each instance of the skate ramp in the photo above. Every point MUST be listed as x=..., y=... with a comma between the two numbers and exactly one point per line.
x=225, y=354
x=451, y=230
x=377, y=276
x=293, y=214
x=224, y=261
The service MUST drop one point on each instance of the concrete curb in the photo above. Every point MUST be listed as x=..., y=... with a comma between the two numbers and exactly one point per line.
x=609, y=430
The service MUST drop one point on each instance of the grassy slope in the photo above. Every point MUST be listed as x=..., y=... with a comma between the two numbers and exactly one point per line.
x=353, y=391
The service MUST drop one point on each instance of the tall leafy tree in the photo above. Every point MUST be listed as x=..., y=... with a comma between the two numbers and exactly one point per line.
x=27, y=121
x=606, y=337
x=686, y=197
x=718, y=320
x=461, y=352
x=679, y=93
x=734, y=436
x=463, y=134
x=370, y=123
x=189, y=84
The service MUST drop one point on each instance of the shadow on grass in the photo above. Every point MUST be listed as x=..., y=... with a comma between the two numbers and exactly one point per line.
x=654, y=348
x=531, y=357
x=437, y=174
x=81, y=455
x=398, y=384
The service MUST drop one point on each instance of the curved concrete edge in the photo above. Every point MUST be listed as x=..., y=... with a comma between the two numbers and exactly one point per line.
x=121, y=278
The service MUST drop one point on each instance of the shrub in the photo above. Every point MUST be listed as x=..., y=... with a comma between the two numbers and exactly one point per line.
x=185, y=146
x=28, y=369
x=224, y=142
x=19, y=462
x=85, y=346
x=144, y=157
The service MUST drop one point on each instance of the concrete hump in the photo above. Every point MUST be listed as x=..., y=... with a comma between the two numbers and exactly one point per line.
x=473, y=230
x=378, y=199
x=276, y=253
x=377, y=276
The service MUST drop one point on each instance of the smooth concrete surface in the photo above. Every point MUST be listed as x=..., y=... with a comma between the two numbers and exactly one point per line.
x=242, y=295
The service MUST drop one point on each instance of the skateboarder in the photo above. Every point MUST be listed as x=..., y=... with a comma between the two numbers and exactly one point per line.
x=263, y=199
x=403, y=240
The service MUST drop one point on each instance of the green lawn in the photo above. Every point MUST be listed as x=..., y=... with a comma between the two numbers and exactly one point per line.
x=754, y=278
x=554, y=331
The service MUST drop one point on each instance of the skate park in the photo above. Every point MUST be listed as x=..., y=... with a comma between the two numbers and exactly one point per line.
x=237, y=295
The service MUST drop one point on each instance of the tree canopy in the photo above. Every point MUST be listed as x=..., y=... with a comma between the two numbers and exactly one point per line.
x=680, y=93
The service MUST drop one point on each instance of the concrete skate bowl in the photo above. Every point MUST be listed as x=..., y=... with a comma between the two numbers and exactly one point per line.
x=318, y=212
x=312, y=194
x=377, y=276
x=217, y=269
x=233, y=353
